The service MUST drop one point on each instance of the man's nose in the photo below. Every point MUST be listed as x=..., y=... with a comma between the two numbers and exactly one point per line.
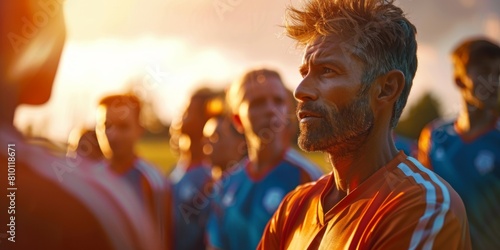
x=306, y=91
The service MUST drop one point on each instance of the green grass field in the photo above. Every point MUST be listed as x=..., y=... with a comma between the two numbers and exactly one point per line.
x=157, y=151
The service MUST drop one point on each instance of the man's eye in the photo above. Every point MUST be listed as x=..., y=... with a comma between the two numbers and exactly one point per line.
x=328, y=70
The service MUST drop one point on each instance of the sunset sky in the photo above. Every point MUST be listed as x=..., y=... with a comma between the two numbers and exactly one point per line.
x=167, y=48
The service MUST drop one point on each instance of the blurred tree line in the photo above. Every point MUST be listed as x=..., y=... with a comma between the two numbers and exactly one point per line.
x=420, y=114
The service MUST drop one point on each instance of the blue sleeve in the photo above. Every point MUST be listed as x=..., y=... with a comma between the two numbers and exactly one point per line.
x=214, y=234
x=214, y=237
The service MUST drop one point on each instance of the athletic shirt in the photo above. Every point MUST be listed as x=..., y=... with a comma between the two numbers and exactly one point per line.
x=58, y=206
x=246, y=203
x=191, y=193
x=153, y=192
x=401, y=206
x=472, y=167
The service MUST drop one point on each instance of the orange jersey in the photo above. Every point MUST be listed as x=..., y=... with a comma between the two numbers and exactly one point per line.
x=402, y=206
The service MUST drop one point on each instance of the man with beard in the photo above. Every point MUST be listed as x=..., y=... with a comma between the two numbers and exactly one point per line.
x=250, y=193
x=466, y=150
x=358, y=66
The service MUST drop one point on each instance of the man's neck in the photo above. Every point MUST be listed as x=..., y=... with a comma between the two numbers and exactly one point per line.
x=122, y=165
x=353, y=166
x=263, y=155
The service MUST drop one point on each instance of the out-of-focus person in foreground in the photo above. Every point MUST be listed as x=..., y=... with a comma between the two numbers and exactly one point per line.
x=48, y=202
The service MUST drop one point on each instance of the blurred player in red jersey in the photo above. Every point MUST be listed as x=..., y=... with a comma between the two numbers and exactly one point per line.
x=358, y=67
x=466, y=151
x=51, y=203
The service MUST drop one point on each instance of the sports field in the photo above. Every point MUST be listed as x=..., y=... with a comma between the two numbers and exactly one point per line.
x=157, y=151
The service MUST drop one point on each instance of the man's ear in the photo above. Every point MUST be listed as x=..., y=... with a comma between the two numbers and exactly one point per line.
x=389, y=87
x=237, y=123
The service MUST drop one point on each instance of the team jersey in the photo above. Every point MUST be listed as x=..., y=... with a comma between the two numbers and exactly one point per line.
x=245, y=204
x=153, y=191
x=52, y=204
x=401, y=206
x=191, y=194
x=472, y=167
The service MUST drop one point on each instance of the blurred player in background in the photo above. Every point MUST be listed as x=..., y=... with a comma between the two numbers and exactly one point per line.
x=358, y=67
x=466, y=151
x=118, y=130
x=224, y=145
x=406, y=144
x=83, y=148
x=192, y=176
x=249, y=195
x=52, y=204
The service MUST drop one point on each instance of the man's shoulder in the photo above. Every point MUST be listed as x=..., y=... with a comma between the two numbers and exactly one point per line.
x=441, y=124
x=427, y=188
x=152, y=173
x=419, y=205
x=195, y=174
x=141, y=163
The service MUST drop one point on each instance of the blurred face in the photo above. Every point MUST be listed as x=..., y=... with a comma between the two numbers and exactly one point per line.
x=117, y=130
x=88, y=146
x=332, y=113
x=224, y=145
x=193, y=119
x=263, y=109
x=30, y=47
x=482, y=83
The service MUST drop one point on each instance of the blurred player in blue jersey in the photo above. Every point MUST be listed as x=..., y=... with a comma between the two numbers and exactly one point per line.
x=118, y=129
x=406, y=144
x=466, y=151
x=250, y=194
x=224, y=145
x=191, y=176
x=52, y=204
